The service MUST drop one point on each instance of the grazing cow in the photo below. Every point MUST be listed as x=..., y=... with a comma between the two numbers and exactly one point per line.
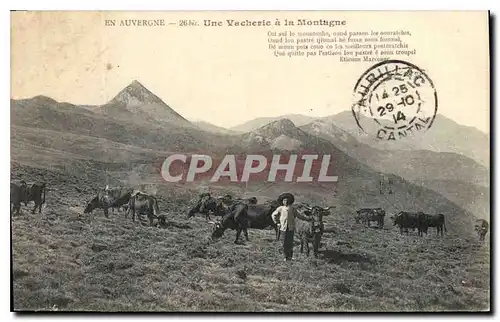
x=143, y=204
x=17, y=193
x=310, y=231
x=120, y=196
x=236, y=218
x=405, y=220
x=367, y=215
x=241, y=216
x=109, y=198
x=206, y=204
x=481, y=227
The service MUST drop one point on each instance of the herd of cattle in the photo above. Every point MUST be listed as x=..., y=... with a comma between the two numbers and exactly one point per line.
x=236, y=213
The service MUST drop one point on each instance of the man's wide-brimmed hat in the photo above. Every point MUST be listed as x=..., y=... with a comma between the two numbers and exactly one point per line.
x=288, y=196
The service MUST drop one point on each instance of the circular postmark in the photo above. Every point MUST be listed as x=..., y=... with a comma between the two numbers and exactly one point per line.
x=394, y=100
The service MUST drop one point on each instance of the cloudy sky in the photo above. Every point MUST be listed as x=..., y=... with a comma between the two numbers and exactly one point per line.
x=227, y=75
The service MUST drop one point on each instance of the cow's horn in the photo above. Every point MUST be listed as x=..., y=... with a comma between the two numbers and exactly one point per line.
x=307, y=206
x=329, y=207
x=212, y=222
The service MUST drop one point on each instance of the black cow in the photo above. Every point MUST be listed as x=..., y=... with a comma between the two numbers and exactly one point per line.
x=26, y=192
x=109, y=198
x=481, y=227
x=36, y=192
x=236, y=218
x=241, y=216
x=310, y=231
x=17, y=193
x=367, y=215
x=405, y=220
x=422, y=223
x=437, y=221
x=141, y=203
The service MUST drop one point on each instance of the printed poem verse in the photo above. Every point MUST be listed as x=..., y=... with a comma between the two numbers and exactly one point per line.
x=346, y=46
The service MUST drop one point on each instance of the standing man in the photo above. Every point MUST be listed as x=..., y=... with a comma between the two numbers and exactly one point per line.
x=284, y=217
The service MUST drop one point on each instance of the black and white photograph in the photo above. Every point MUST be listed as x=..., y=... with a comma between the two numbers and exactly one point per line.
x=250, y=161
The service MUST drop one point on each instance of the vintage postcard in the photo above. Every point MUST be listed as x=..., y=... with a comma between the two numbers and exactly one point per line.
x=250, y=161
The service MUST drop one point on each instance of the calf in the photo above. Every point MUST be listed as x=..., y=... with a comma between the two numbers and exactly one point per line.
x=311, y=230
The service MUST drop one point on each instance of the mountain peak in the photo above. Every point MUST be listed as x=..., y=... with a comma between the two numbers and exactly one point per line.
x=137, y=99
x=283, y=124
x=136, y=94
x=279, y=127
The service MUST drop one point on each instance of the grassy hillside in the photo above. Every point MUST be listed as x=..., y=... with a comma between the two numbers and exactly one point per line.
x=47, y=114
x=214, y=128
x=456, y=177
x=445, y=135
x=475, y=199
x=410, y=164
x=63, y=262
